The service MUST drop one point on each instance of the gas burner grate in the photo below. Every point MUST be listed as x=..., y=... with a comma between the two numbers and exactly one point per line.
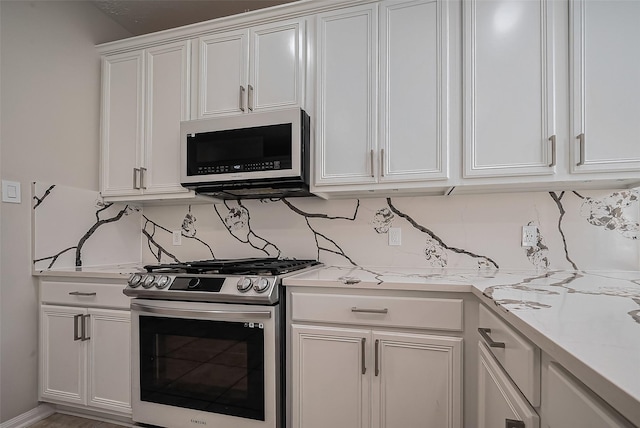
x=252, y=266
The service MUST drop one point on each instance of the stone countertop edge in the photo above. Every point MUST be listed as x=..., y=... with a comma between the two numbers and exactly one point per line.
x=122, y=271
x=623, y=401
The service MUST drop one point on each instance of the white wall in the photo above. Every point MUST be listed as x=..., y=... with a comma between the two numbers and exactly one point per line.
x=49, y=132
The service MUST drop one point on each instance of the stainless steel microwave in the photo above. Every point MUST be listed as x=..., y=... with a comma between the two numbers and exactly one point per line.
x=255, y=155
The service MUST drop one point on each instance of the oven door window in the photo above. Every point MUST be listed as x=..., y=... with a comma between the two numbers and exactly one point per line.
x=214, y=366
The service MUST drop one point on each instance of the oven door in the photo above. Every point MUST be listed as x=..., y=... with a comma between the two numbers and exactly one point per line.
x=205, y=364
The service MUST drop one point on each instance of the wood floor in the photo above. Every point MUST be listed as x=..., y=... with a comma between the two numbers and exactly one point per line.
x=59, y=420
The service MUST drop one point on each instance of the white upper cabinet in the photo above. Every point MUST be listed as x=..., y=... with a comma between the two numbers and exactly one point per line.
x=605, y=71
x=346, y=94
x=382, y=88
x=509, y=95
x=414, y=80
x=254, y=69
x=145, y=95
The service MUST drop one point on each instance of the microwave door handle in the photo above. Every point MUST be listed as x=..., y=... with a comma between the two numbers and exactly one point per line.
x=242, y=98
x=214, y=314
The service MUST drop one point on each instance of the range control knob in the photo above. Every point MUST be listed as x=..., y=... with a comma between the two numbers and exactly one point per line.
x=244, y=284
x=148, y=281
x=162, y=282
x=262, y=285
x=134, y=280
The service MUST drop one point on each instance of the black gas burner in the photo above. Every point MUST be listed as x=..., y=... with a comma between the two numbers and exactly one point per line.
x=251, y=266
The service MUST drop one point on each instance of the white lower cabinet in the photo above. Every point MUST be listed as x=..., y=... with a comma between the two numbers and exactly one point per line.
x=371, y=378
x=85, y=352
x=365, y=361
x=569, y=404
x=500, y=403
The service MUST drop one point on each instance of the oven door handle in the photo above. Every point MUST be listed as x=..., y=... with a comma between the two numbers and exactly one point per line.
x=235, y=315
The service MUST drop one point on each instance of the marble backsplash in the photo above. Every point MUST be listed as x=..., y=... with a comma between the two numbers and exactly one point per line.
x=577, y=230
x=595, y=230
x=72, y=227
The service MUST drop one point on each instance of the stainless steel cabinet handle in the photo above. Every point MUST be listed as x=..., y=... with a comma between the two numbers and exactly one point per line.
x=351, y=281
x=376, y=361
x=382, y=162
x=241, y=98
x=484, y=332
x=370, y=311
x=136, y=173
x=250, y=98
x=83, y=334
x=581, y=139
x=511, y=423
x=553, y=151
x=76, y=318
x=143, y=174
x=363, y=350
x=82, y=293
x=372, y=166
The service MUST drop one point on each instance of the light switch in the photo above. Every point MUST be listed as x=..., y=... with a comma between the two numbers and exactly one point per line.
x=11, y=192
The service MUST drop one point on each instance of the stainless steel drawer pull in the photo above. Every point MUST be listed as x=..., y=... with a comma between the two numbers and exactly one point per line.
x=82, y=293
x=351, y=281
x=76, y=318
x=377, y=358
x=484, y=332
x=553, y=151
x=241, y=98
x=143, y=177
x=581, y=139
x=136, y=174
x=83, y=334
x=363, y=350
x=370, y=311
x=511, y=423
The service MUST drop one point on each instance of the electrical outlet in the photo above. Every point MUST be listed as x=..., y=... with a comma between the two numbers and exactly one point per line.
x=177, y=237
x=395, y=236
x=529, y=236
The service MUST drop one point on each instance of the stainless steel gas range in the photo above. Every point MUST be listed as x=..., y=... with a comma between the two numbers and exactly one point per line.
x=208, y=343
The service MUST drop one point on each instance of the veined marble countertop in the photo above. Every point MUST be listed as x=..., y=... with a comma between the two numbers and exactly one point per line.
x=588, y=321
x=112, y=271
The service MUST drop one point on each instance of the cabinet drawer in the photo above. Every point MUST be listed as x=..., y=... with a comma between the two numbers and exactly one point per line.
x=84, y=294
x=519, y=358
x=427, y=313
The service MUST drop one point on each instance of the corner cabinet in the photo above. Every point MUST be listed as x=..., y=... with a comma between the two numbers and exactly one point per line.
x=85, y=347
x=382, y=109
x=255, y=69
x=371, y=368
x=145, y=95
x=605, y=65
x=509, y=91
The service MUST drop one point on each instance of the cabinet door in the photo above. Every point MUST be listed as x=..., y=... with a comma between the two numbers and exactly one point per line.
x=508, y=88
x=276, y=74
x=346, y=93
x=122, y=123
x=223, y=68
x=606, y=89
x=330, y=377
x=417, y=381
x=500, y=403
x=569, y=404
x=62, y=355
x=109, y=360
x=167, y=101
x=413, y=90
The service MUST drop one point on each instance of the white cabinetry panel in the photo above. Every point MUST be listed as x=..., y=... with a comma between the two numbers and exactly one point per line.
x=122, y=123
x=606, y=87
x=509, y=98
x=414, y=110
x=347, y=103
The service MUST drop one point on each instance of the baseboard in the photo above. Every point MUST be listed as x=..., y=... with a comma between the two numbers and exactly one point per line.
x=26, y=419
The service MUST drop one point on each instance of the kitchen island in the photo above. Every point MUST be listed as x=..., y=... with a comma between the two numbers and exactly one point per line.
x=588, y=322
